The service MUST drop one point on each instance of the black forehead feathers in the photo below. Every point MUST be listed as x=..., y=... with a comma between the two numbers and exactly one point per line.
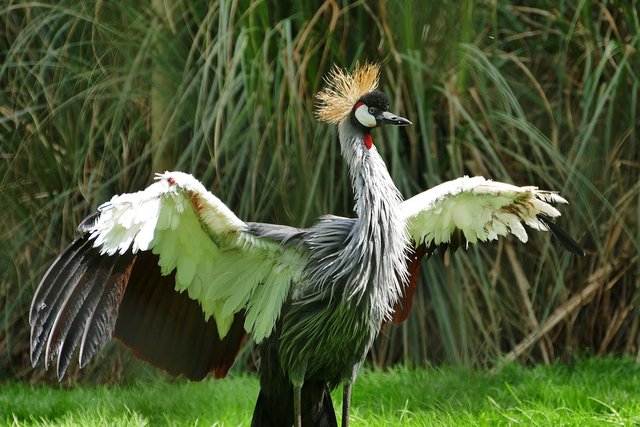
x=376, y=99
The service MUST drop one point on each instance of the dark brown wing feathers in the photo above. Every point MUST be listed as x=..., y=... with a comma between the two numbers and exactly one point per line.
x=167, y=328
x=85, y=298
x=404, y=304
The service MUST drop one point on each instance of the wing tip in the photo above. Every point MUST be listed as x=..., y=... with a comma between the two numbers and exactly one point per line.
x=562, y=236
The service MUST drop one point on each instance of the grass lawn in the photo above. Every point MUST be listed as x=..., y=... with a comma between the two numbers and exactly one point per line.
x=585, y=392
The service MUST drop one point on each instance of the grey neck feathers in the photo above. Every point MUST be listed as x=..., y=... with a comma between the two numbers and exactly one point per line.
x=377, y=244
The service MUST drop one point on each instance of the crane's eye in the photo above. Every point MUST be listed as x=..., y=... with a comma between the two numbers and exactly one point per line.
x=373, y=111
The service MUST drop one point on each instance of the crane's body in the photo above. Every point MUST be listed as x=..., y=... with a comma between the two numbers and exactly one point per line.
x=352, y=280
x=314, y=299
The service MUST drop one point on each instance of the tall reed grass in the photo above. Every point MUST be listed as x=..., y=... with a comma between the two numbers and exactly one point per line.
x=96, y=97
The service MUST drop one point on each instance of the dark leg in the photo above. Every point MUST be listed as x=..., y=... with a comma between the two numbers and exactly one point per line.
x=346, y=403
x=297, y=407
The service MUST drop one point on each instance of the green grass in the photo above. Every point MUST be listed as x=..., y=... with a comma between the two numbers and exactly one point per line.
x=584, y=392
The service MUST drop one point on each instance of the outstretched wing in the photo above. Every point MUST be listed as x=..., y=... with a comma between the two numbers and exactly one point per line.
x=169, y=270
x=470, y=210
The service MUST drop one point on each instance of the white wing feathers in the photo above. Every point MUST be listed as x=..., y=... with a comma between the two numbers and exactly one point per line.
x=220, y=265
x=481, y=209
x=227, y=270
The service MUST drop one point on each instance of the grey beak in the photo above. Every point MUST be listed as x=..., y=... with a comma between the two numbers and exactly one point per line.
x=387, y=118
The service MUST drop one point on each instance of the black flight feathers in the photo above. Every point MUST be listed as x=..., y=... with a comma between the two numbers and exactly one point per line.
x=563, y=237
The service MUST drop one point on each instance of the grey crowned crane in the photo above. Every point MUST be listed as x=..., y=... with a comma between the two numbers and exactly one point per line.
x=175, y=275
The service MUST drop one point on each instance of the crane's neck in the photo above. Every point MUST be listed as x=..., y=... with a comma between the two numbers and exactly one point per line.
x=379, y=239
x=374, y=191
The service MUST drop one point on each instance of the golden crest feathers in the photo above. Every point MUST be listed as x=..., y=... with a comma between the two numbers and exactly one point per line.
x=337, y=99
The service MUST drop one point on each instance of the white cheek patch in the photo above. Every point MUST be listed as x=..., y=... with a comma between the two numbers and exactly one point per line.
x=363, y=116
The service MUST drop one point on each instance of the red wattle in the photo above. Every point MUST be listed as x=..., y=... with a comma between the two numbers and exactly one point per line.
x=368, y=141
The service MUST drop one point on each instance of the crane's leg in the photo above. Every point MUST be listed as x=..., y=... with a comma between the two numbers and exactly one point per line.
x=346, y=402
x=297, y=405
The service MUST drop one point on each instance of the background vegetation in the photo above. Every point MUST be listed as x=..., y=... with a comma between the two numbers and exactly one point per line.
x=95, y=97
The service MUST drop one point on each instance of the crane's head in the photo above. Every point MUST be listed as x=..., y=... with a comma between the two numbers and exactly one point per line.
x=372, y=110
x=355, y=97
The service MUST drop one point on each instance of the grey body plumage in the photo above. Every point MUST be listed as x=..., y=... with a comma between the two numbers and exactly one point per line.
x=353, y=277
x=354, y=274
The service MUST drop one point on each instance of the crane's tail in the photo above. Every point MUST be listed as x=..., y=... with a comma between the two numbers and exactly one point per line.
x=276, y=411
